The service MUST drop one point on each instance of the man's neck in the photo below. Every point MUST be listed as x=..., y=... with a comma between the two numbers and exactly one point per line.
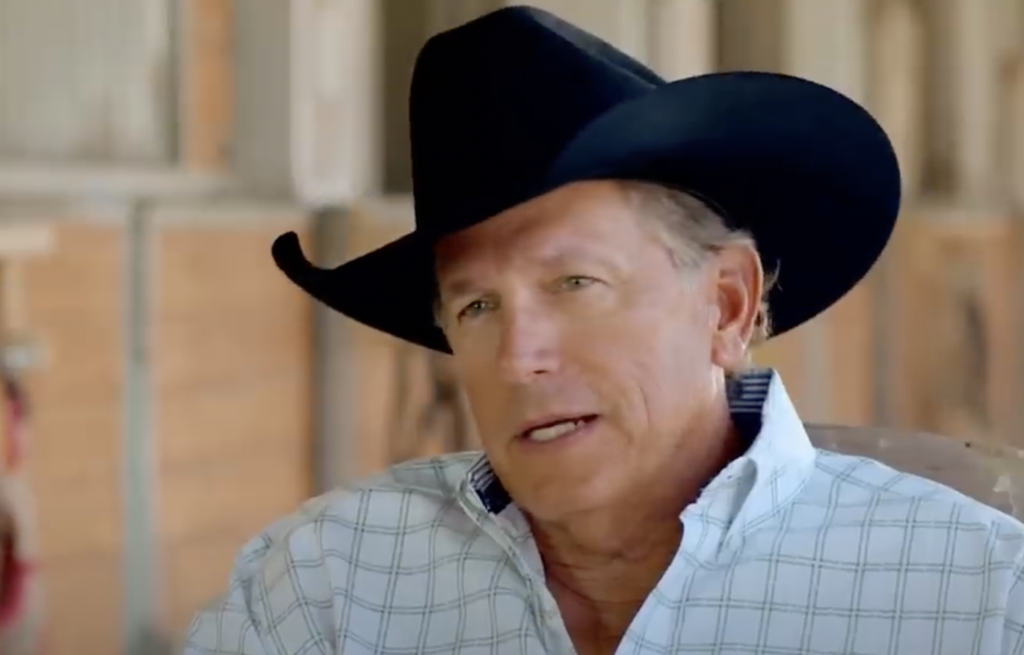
x=603, y=563
x=600, y=576
x=612, y=557
x=634, y=529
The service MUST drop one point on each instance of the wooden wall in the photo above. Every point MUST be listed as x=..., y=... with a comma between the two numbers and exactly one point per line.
x=955, y=322
x=230, y=389
x=930, y=340
x=848, y=343
x=76, y=309
x=232, y=381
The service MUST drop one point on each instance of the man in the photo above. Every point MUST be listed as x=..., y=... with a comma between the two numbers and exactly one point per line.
x=598, y=249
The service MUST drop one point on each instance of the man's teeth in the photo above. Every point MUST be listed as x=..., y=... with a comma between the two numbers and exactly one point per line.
x=553, y=431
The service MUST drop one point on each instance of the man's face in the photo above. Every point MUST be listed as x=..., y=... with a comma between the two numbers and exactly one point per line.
x=587, y=357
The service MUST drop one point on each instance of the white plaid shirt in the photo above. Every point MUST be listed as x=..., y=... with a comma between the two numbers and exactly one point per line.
x=789, y=550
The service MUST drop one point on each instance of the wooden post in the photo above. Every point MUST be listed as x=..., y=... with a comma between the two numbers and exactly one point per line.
x=963, y=95
x=896, y=97
x=683, y=37
x=897, y=91
x=827, y=42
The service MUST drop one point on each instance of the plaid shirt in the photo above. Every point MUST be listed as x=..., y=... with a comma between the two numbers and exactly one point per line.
x=788, y=550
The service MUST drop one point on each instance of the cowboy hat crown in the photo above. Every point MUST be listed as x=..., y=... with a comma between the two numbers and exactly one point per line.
x=520, y=102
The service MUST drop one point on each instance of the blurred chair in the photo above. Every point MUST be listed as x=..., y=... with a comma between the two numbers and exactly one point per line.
x=988, y=472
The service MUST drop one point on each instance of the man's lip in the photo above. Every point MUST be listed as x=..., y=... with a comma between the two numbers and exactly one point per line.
x=548, y=421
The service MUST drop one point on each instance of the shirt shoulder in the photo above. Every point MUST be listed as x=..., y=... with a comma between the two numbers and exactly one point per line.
x=338, y=550
x=884, y=492
x=396, y=503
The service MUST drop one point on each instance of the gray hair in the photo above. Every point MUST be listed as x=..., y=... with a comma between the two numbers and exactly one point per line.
x=691, y=230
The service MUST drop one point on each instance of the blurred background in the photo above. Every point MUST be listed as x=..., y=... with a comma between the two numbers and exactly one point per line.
x=183, y=395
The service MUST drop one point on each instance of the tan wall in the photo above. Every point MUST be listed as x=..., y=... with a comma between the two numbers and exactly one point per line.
x=75, y=306
x=231, y=377
x=850, y=368
x=955, y=323
x=950, y=325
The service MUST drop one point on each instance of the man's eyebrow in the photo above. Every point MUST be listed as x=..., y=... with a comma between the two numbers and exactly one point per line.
x=458, y=287
x=465, y=285
x=576, y=254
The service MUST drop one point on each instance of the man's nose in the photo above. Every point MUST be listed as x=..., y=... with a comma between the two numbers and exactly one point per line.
x=528, y=347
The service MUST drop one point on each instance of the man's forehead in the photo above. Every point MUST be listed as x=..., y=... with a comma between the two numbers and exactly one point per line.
x=572, y=221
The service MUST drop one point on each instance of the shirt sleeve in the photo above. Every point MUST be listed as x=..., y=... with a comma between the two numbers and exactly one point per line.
x=279, y=601
x=227, y=627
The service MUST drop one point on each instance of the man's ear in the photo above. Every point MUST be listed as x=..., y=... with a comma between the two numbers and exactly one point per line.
x=739, y=281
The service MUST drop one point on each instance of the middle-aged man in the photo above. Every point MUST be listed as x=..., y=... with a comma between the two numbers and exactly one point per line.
x=598, y=249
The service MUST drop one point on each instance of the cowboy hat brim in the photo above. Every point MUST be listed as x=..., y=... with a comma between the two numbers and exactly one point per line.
x=390, y=289
x=805, y=170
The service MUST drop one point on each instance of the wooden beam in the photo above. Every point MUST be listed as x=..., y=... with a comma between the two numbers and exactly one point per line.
x=963, y=137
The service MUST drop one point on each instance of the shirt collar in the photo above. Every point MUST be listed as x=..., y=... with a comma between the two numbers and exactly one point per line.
x=756, y=487
x=752, y=488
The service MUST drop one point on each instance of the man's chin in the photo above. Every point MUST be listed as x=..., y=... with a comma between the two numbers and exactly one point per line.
x=565, y=500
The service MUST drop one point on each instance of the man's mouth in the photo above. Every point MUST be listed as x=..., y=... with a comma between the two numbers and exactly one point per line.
x=551, y=430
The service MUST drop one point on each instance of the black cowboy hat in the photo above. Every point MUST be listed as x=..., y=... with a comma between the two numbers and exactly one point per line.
x=519, y=102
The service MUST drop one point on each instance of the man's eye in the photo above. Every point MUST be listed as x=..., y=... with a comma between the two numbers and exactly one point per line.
x=573, y=282
x=474, y=308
